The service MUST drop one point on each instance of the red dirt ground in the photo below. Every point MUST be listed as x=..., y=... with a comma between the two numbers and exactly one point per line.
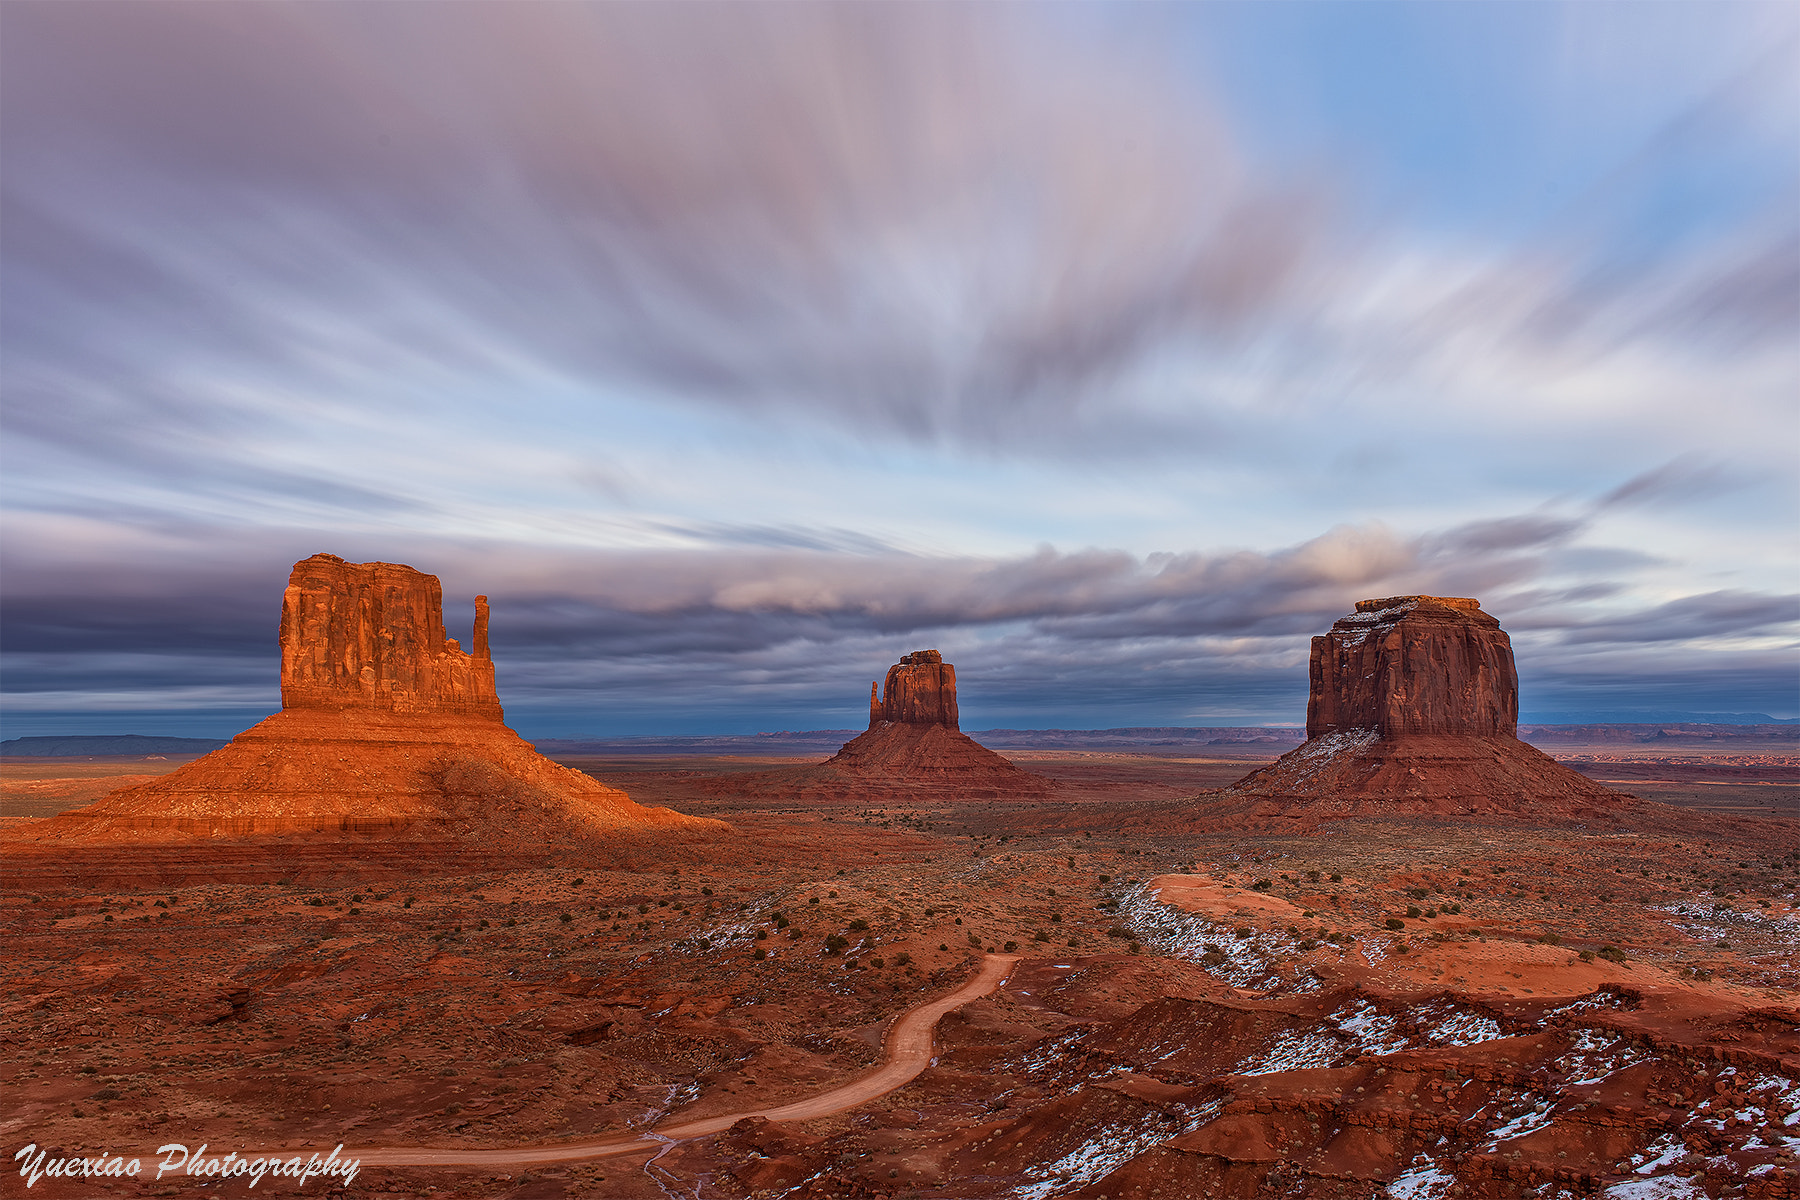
x=1199, y=1010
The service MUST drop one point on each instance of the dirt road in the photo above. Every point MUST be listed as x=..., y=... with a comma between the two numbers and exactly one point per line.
x=905, y=1053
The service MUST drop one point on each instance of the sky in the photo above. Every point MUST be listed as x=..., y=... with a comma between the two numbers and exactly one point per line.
x=736, y=350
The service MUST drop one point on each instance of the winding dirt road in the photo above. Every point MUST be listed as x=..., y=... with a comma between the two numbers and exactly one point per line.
x=905, y=1053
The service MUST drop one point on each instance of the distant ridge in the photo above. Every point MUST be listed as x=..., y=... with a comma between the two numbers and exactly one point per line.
x=81, y=746
x=1654, y=717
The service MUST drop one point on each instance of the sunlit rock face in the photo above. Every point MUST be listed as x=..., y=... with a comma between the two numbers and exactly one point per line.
x=1414, y=664
x=371, y=635
x=1414, y=709
x=921, y=690
x=386, y=724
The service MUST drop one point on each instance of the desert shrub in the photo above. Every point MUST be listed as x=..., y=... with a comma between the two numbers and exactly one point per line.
x=781, y=922
x=859, y=924
x=1213, y=957
x=1136, y=949
x=577, y=881
x=1262, y=885
x=812, y=899
x=1312, y=877
x=832, y=895
x=1119, y=931
x=706, y=891
x=1395, y=923
x=642, y=909
x=1009, y=948
x=835, y=942
x=1587, y=956
x=1551, y=939
x=1412, y=910
x=974, y=939
x=1243, y=931
x=1040, y=936
x=1417, y=893
x=1336, y=878
x=565, y=918
x=759, y=954
x=762, y=935
x=1400, y=948
x=510, y=922
x=1611, y=954
x=1106, y=879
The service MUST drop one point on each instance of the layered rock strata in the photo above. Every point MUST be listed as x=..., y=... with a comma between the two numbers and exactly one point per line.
x=386, y=724
x=912, y=745
x=1414, y=708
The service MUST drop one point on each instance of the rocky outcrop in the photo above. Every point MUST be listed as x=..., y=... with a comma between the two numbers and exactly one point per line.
x=1414, y=665
x=1414, y=708
x=371, y=636
x=386, y=726
x=912, y=747
x=921, y=690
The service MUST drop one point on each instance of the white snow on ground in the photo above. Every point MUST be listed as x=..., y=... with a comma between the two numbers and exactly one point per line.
x=1421, y=1183
x=1175, y=934
x=1295, y=1050
x=1594, y=1054
x=1105, y=1152
x=1598, y=1000
x=1658, y=1154
x=1051, y=1051
x=1372, y=1029
x=1464, y=1029
x=1529, y=1121
x=1663, y=1187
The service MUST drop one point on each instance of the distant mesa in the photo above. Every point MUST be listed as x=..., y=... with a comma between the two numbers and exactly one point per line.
x=912, y=747
x=1414, y=709
x=386, y=725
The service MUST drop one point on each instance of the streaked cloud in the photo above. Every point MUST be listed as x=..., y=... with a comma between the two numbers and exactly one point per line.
x=731, y=347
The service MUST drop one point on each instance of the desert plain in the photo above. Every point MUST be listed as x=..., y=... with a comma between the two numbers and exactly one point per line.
x=1408, y=1007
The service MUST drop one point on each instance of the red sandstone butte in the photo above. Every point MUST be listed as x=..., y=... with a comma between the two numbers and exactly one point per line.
x=912, y=746
x=1414, y=708
x=386, y=723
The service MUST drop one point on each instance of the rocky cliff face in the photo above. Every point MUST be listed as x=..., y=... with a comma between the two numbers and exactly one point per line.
x=386, y=725
x=1414, y=709
x=912, y=749
x=1414, y=665
x=921, y=690
x=371, y=636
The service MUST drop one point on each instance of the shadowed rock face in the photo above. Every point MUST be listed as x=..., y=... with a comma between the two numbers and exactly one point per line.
x=371, y=635
x=911, y=748
x=1414, y=665
x=921, y=690
x=1414, y=709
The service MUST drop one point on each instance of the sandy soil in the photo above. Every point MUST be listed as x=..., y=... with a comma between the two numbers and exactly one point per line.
x=1569, y=1009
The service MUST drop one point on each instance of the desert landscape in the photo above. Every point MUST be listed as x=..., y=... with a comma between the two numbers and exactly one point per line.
x=1306, y=490
x=1094, y=972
